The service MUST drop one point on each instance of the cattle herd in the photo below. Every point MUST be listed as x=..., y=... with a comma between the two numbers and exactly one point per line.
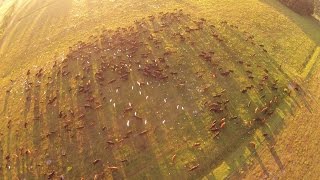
x=154, y=87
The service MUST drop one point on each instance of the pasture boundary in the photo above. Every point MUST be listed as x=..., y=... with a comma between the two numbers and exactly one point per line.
x=263, y=146
x=310, y=64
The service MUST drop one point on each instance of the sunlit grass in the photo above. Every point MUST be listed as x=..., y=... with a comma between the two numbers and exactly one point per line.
x=33, y=41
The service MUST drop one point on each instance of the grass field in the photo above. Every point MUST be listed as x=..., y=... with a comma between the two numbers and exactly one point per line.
x=74, y=115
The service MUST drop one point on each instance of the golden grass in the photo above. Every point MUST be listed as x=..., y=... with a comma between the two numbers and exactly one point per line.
x=33, y=38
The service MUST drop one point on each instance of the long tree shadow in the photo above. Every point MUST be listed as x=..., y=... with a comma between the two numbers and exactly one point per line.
x=271, y=142
x=257, y=157
x=5, y=105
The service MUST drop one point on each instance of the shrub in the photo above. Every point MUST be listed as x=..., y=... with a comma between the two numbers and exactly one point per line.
x=317, y=7
x=304, y=7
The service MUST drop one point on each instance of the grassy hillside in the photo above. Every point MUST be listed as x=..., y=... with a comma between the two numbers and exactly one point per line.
x=145, y=92
x=59, y=25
